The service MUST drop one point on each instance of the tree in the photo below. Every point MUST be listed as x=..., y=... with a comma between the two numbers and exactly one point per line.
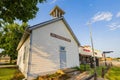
x=10, y=35
x=24, y=10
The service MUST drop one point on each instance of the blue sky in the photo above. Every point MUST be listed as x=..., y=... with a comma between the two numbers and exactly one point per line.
x=103, y=15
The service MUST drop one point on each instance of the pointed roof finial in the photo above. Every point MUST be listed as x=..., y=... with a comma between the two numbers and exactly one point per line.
x=57, y=12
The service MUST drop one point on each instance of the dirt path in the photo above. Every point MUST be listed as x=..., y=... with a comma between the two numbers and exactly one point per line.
x=116, y=63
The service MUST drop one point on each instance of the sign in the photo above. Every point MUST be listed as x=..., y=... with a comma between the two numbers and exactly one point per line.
x=86, y=50
x=60, y=37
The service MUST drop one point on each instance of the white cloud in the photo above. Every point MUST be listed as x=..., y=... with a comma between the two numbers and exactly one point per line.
x=118, y=15
x=53, y=1
x=114, y=26
x=102, y=16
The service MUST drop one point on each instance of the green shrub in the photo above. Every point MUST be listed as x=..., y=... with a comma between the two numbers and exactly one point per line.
x=83, y=67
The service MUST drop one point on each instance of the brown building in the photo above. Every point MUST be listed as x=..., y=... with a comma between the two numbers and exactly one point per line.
x=5, y=59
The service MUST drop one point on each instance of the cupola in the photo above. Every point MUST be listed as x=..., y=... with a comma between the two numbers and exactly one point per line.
x=57, y=12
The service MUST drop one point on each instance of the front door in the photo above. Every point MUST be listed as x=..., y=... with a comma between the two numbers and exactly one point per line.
x=62, y=57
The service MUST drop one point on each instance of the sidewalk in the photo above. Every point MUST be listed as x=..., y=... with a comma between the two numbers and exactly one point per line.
x=7, y=66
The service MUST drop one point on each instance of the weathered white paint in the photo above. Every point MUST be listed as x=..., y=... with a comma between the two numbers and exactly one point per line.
x=24, y=66
x=45, y=49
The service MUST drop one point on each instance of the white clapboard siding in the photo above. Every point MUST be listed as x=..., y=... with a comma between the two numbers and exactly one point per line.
x=45, y=49
x=23, y=66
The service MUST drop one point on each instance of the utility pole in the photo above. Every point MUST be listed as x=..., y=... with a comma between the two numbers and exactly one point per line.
x=90, y=30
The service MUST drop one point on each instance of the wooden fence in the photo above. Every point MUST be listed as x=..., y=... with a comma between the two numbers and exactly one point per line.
x=103, y=71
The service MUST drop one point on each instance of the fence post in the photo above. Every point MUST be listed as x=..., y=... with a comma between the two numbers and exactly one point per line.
x=103, y=72
x=95, y=76
x=111, y=64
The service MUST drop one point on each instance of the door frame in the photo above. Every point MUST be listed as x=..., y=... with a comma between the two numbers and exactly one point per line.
x=63, y=59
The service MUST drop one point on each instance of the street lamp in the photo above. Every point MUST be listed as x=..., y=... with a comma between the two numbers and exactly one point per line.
x=106, y=52
x=90, y=30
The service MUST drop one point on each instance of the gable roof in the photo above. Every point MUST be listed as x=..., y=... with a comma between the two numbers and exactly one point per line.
x=29, y=29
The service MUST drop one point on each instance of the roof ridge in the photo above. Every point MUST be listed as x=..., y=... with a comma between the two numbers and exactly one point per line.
x=43, y=23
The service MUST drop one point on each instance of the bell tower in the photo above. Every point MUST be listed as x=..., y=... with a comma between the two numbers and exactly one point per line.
x=56, y=12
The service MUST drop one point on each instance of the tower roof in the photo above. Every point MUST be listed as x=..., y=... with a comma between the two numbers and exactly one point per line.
x=57, y=12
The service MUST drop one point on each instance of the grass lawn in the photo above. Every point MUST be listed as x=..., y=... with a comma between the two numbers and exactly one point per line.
x=7, y=73
x=98, y=69
x=113, y=74
x=91, y=70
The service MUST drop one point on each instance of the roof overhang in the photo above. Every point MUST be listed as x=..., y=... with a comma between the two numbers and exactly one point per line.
x=24, y=37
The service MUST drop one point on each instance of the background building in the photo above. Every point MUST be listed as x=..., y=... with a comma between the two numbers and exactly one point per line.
x=86, y=55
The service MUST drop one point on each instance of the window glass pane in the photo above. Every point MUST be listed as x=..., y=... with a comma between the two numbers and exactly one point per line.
x=24, y=55
x=62, y=48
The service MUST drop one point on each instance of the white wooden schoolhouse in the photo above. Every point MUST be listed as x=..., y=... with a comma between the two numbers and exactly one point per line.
x=47, y=47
